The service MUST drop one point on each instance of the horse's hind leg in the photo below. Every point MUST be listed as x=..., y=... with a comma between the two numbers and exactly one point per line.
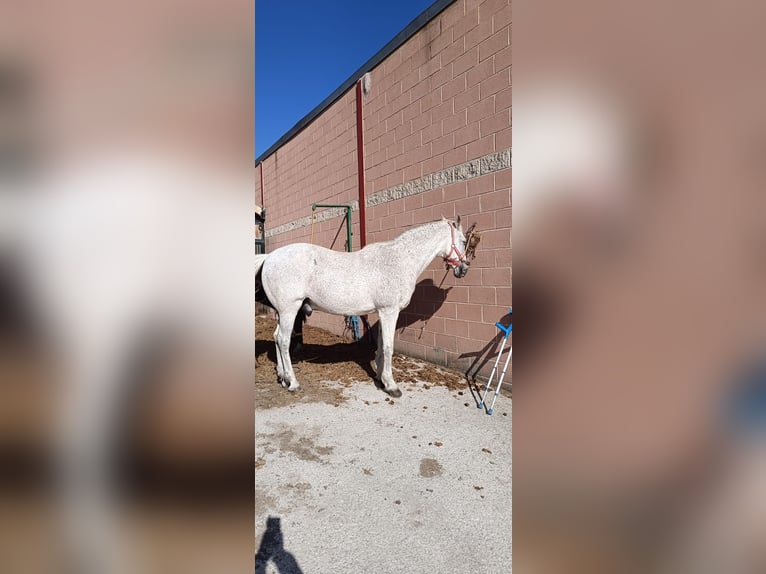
x=282, y=338
x=386, y=344
x=296, y=339
x=280, y=368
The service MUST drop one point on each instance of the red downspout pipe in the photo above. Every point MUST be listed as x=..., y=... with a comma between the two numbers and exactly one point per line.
x=261, y=170
x=360, y=171
x=360, y=165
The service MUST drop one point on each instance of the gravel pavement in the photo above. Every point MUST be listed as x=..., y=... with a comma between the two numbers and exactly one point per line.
x=377, y=485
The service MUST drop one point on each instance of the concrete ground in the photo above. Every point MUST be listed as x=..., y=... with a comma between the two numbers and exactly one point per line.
x=375, y=485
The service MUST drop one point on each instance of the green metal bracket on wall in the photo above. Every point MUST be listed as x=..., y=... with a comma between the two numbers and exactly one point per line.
x=348, y=219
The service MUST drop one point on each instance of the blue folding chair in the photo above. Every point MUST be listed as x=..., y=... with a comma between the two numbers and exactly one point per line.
x=507, y=330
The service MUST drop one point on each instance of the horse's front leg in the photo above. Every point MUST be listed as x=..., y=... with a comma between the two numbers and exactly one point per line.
x=379, y=361
x=386, y=344
x=282, y=338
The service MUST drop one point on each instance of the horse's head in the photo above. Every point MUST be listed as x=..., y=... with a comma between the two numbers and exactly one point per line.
x=461, y=249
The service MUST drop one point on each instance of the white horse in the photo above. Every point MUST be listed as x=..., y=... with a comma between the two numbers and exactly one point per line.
x=114, y=252
x=379, y=278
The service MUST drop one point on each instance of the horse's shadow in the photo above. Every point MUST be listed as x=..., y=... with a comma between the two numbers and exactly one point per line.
x=360, y=352
x=427, y=299
x=272, y=549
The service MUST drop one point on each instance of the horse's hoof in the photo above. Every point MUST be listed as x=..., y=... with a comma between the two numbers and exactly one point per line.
x=396, y=393
x=293, y=389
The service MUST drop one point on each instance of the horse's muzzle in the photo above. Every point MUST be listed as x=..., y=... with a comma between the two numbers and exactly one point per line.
x=461, y=270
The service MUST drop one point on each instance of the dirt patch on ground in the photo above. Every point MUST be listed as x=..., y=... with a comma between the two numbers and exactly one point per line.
x=409, y=370
x=430, y=467
x=329, y=363
x=264, y=501
x=268, y=393
x=287, y=440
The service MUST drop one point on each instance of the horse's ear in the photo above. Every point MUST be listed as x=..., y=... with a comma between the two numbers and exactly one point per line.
x=457, y=222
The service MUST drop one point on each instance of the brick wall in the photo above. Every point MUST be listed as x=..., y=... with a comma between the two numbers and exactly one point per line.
x=437, y=131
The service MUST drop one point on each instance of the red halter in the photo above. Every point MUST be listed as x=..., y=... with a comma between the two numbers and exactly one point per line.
x=456, y=259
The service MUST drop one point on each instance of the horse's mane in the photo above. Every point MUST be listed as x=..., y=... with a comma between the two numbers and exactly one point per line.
x=415, y=230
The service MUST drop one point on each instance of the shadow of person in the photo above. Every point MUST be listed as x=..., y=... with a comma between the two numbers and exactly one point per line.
x=272, y=549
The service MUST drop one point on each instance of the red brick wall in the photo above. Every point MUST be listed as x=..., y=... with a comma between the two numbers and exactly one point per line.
x=442, y=99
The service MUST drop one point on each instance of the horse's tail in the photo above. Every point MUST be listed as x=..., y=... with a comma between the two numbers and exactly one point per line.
x=259, y=259
x=260, y=297
x=260, y=293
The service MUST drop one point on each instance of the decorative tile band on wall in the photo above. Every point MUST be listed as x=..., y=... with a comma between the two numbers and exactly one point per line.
x=487, y=164
x=476, y=167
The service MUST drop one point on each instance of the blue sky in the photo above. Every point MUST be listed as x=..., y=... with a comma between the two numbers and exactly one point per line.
x=306, y=49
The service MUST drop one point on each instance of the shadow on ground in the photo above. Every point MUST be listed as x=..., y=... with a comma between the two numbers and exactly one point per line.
x=322, y=353
x=327, y=364
x=272, y=549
